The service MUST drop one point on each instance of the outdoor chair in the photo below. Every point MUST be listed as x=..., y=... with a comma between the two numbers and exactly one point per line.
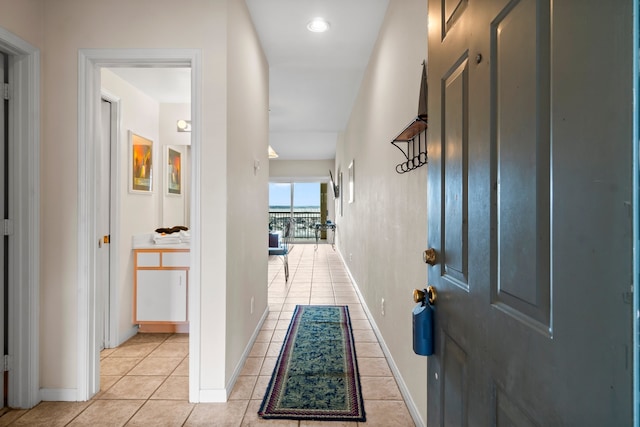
x=284, y=246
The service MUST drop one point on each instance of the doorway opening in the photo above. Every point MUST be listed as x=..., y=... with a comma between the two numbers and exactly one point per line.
x=91, y=63
x=147, y=103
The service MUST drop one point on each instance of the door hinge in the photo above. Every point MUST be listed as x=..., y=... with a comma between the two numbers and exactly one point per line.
x=6, y=364
x=7, y=227
x=5, y=91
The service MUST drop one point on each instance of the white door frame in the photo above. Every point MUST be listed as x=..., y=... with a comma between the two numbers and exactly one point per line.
x=89, y=63
x=24, y=199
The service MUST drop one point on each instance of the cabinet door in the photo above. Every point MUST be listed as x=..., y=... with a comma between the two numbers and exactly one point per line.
x=161, y=295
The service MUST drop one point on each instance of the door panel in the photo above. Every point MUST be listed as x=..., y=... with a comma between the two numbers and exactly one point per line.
x=508, y=414
x=454, y=393
x=455, y=131
x=451, y=11
x=529, y=188
x=521, y=149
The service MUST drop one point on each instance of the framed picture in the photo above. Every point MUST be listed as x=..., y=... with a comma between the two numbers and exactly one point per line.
x=341, y=192
x=352, y=194
x=174, y=172
x=141, y=164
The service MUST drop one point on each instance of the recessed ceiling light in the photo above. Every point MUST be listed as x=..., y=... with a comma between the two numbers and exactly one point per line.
x=318, y=25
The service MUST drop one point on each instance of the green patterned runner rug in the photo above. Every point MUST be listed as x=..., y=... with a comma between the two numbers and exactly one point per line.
x=316, y=375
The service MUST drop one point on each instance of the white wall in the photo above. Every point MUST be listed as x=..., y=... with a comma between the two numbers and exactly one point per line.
x=175, y=208
x=248, y=189
x=301, y=170
x=24, y=18
x=61, y=28
x=170, y=113
x=387, y=101
x=305, y=171
x=383, y=233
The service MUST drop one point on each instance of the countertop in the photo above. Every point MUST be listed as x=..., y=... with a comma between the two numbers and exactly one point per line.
x=145, y=241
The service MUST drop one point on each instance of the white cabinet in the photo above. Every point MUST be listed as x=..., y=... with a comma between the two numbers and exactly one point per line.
x=162, y=295
x=161, y=278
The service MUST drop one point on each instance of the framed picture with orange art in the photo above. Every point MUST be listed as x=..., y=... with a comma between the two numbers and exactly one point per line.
x=140, y=164
x=174, y=172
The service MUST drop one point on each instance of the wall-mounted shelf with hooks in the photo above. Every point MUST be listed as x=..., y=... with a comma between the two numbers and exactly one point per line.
x=411, y=141
x=412, y=144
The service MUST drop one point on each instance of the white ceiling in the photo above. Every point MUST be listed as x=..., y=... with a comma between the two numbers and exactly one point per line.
x=313, y=77
x=165, y=85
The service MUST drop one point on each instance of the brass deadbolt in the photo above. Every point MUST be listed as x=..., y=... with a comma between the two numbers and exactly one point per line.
x=432, y=295
x=429, y=256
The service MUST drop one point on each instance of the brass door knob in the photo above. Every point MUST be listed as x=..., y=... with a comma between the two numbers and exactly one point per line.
x=429, y=294
x=429, y=256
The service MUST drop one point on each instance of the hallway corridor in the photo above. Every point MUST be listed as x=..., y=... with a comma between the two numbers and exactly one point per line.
x=145, y=381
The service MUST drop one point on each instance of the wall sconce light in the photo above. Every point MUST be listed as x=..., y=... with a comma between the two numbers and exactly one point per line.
x=272, y=153
x=184, y=125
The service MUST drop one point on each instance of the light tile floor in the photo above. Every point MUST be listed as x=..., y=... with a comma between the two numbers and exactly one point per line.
x=144, y=382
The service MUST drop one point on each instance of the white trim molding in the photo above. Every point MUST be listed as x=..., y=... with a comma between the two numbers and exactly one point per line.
x=24, y=211
x=58, y=395
x=89, y=63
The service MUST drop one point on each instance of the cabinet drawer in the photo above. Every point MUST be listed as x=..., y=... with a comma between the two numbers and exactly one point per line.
x=148, y=259
x=175, y=259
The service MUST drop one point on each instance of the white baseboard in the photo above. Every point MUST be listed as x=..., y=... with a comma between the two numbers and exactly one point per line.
x=213, y=396
x=404, y=390
x=222, y=395
x=122, y=338
x=245, y=354
x=59, y=395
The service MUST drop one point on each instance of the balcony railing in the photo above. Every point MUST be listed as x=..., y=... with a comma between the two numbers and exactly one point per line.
x=303, y=222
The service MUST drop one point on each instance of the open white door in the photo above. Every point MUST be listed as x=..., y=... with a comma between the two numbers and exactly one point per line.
x=529, y=181
x=103, y=221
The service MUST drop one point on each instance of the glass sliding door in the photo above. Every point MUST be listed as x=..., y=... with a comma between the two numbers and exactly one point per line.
x=280, y=202
x=299, y=201
x=306, y=208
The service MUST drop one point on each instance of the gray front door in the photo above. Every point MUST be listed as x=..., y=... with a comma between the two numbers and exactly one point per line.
x=4, y=137
x=530, y=212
